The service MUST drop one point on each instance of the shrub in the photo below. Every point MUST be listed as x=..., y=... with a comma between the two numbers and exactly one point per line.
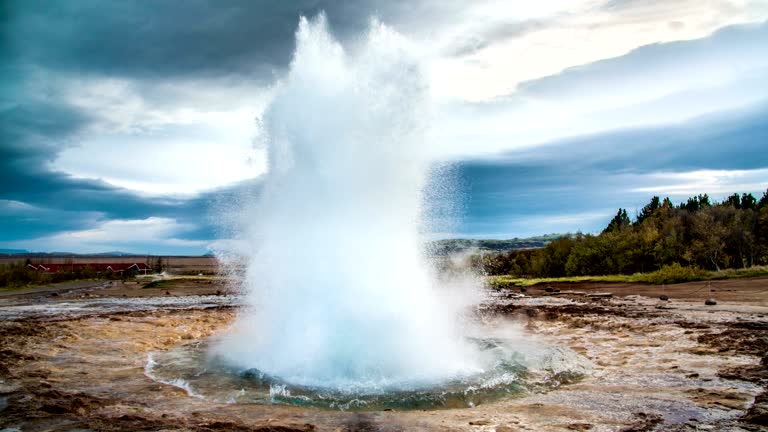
x=675, y=273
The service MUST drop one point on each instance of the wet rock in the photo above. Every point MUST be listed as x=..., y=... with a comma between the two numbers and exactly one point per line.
x=692, y=325
x=758, y=412
x=549, y=289
x=710, y=302
x=232, y=426
x=531, y=312
x=580, y=426
x=755, y=374
x=664, y=297
x=481, y=422
x=523, y=289
x=645, y=423
x=167, y=293
x=8, y=356
x=54, y=294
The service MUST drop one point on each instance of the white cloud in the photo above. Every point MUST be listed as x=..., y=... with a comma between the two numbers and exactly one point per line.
x=565, y=34
x=165, y=138
x=656, y=85
x=716, y=183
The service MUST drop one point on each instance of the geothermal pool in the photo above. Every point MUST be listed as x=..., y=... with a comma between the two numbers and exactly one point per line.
x=517, y=368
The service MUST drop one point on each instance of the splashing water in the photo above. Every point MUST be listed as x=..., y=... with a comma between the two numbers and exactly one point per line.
x=340, y=293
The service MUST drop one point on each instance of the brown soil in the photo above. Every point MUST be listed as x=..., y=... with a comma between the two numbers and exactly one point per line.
x=752, y=291
x=177, y=286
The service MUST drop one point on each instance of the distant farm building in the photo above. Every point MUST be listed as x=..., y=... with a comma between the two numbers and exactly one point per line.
x=125, y=269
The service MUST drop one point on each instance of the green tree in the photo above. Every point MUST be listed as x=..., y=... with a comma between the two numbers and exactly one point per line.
x=763, y=200
x=619, y=222
x=648, y=210
x=748, y=201
x=741, y=236
x=733, y=201
x=761, y=236
x=709, y=237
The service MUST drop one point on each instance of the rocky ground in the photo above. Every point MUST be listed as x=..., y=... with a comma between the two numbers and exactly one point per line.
x=73, y=358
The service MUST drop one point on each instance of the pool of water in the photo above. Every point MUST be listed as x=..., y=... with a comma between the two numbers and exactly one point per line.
x=518, y=369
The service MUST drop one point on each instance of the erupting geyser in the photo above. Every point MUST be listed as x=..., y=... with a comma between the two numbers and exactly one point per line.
x=340, y=294
x=343, y=309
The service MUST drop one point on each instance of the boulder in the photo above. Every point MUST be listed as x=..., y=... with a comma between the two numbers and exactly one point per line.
x=710, y=302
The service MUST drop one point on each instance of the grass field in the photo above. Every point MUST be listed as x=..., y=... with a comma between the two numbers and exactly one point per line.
x=667, y=275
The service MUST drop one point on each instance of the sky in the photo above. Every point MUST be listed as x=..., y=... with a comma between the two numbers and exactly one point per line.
x=124, y=125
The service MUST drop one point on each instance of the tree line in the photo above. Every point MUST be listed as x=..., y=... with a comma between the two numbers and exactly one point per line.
x=697, y=233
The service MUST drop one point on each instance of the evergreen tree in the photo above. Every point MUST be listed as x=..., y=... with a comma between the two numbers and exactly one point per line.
x=648, y=210
x=763, y=201
x=733, y=201
x=748, y=201
x=619, y=222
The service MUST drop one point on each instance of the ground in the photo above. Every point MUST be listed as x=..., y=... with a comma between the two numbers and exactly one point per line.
x=72, y=357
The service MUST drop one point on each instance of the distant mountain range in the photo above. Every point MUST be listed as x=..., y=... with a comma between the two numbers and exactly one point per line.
x=65, y=254
x=437, y=247
x=451, y=246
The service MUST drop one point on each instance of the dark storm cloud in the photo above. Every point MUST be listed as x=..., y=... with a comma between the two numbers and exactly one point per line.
x=728, y=141
x=166, y=39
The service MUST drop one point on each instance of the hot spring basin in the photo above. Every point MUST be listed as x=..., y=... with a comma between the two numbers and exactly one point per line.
x=519, y=368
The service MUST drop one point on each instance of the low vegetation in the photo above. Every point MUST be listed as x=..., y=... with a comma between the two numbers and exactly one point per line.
x=671, y=274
